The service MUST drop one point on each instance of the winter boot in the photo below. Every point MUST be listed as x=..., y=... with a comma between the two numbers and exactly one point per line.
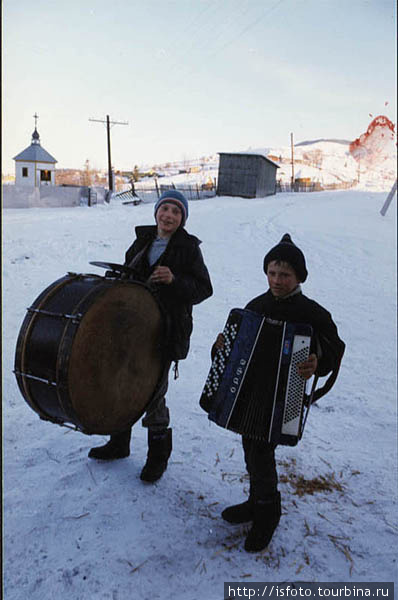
x=159, y=450
x=117, y=447
x=238, y=513
x=266, y=515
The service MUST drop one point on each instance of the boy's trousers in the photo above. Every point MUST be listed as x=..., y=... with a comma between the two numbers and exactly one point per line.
x=261, y=466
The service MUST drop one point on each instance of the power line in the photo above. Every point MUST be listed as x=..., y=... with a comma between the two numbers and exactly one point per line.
x=193, y=24
x=213, y=31
x=232, y=40
x=247, y=28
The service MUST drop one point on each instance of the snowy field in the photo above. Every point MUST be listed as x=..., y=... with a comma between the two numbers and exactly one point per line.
x=78, y=529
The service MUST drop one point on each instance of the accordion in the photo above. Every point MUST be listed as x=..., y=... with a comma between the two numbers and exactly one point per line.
x=253, y=387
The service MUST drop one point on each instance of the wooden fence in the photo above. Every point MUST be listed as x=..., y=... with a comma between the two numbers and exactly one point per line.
x=151, y=194
x=198, y=192
x=313, y=186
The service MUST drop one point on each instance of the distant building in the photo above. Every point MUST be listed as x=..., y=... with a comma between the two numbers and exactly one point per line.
x=246, y=174
x=34, y=166
x=274, y=158
x=35, y=182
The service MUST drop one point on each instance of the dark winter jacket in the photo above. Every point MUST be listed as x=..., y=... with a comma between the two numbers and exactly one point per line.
x=191, y=284
x=297, y=308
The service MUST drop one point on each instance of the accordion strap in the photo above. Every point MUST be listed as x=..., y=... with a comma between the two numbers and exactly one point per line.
x=328, y=384
x=314, y=395
x=308, y=401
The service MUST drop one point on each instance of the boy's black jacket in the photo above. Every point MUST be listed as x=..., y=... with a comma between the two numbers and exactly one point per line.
x=191, y=284
x=300, y=309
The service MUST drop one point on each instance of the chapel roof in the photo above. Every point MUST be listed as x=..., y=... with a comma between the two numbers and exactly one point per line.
x=34, y=152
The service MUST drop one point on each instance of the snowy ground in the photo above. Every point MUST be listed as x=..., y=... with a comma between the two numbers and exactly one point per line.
x=80, y=529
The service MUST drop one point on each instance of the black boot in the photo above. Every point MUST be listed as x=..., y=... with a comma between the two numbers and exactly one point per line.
x=238, y=513
x=266, y=515
x=117, y=447
x=159, y=450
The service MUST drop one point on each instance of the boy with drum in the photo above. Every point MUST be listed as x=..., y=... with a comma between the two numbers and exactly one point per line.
x=285, y=269
x=169, y=260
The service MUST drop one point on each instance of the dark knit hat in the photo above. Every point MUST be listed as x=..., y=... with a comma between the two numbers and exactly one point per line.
x=174, y=197
x=287, y=251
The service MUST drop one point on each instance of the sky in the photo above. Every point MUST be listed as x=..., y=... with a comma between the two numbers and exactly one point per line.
x=191, y=77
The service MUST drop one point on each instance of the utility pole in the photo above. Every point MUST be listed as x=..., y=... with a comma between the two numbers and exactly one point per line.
x=108, y=131
x=292, y=147
x=390, y=196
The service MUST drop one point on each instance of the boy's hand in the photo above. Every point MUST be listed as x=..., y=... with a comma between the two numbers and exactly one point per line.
x=307, y=368
x=218, y=345
x=161, y=275
x=220, y=342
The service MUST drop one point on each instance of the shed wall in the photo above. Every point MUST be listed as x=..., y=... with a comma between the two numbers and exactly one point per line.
x=266, y=179
x=245, y=175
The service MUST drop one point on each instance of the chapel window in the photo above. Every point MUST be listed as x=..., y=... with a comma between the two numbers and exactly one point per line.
x=45, y=175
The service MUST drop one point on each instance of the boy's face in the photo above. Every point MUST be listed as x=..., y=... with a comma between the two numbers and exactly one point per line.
x=168, y=219
x=282, y=279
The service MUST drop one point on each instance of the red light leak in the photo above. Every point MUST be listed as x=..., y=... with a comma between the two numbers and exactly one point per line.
x=372, y=147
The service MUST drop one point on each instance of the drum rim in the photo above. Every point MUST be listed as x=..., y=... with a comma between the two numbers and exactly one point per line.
x=24, y=337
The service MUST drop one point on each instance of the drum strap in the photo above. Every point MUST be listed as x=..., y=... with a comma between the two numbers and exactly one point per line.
x=139, y=256
x=175, y=369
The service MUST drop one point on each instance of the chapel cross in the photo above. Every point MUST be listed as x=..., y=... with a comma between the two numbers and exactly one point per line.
x=35, y=116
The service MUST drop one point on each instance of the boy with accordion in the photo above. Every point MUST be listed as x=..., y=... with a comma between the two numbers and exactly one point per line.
x=285, y=269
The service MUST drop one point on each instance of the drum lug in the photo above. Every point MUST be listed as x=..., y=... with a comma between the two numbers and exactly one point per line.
x=62, y=423
x=29, y=376
x=74, y=318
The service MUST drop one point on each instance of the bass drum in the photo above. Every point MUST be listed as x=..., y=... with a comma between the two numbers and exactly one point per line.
x=89, y=353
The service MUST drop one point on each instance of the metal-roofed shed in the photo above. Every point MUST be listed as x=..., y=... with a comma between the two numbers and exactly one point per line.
x=246, y=174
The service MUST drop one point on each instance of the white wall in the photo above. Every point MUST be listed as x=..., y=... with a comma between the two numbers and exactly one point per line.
x=28, y=181
x=22, y=196
x=33, y=178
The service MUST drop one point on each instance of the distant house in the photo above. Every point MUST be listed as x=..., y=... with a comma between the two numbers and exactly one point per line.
x=34, y=166
x=246, y=174
x=275, y=158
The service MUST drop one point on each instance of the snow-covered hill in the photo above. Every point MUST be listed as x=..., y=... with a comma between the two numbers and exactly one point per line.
x=331, y=162
x=83, y=530
x=324, y=161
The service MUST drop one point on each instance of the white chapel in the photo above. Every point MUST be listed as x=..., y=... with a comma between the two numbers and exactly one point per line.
x=34, y=166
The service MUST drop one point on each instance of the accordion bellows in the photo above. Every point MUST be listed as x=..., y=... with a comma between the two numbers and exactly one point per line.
x=253, y=386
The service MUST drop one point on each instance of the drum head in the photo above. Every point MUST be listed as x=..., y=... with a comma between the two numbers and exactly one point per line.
x=115, y=361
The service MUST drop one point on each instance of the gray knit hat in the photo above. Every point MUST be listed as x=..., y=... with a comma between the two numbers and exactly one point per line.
x=177, y=198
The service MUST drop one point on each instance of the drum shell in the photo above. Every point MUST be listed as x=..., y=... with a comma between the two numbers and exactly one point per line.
x=89, y=353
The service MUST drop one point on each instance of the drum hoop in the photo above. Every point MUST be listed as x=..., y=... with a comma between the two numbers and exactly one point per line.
x=23, y=339
x=24, y=336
